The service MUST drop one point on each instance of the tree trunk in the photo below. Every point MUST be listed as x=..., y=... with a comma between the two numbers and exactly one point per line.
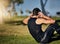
x=42, y=7
x=13, y=8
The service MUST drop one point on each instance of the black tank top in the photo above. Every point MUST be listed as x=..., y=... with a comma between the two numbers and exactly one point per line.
x=33, y=26
x=35, y=29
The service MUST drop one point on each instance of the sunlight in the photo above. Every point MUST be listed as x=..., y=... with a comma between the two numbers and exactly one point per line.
x=3, y=10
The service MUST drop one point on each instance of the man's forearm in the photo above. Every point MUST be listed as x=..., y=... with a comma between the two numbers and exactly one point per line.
x=43, y=16
x=46, y=17
x=25, y=21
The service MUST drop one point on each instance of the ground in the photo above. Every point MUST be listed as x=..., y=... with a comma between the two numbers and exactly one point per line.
x=17, y=34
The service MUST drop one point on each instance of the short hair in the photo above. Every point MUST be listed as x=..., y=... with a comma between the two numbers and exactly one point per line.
x=35, y=11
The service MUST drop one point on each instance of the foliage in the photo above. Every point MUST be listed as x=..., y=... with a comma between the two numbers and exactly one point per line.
x=17, y=1
x=58, y=13
x=21, y=11
x=12, y=5
x=28, y=11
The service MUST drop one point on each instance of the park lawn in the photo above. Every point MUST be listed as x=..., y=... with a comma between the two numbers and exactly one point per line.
x=17, y=34
x=20, y=40
x=13, y=34
x=17, y=40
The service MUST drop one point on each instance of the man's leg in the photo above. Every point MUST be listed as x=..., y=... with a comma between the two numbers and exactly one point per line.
x=49, y=32
x=56, y=27
x=58, y=31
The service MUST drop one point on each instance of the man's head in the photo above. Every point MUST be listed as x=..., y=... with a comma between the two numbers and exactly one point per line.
x=35, y=11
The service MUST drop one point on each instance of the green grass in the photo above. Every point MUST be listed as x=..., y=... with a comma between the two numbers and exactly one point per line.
x=15, y=34
x=27, y=39
x=18, y=34
x=17, y=40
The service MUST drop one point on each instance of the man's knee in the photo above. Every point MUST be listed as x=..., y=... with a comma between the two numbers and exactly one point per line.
x=55, y=25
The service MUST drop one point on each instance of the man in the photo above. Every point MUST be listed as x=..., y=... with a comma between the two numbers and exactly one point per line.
x=35, y=21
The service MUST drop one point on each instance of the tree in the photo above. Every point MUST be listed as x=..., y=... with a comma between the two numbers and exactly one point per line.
x=21, y=12
x=3, y=10
x=15, y=14
x=28, y=11
x=43, y=6
x=13, y=2
x=58, y=13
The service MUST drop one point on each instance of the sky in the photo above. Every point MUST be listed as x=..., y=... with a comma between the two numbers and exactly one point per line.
x=52, y=6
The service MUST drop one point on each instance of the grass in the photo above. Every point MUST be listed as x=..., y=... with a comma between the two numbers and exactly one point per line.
x=17, y=34
x=16, y=40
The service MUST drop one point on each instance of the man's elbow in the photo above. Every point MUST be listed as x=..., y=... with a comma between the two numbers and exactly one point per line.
x=52, y=21
x=25, y=22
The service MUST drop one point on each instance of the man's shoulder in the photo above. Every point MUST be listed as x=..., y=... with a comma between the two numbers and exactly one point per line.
x=39, y=21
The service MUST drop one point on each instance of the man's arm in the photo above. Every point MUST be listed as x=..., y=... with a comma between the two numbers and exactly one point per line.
x=43, y=16
x=47, y=20
x=44, y=21
x=25, y=21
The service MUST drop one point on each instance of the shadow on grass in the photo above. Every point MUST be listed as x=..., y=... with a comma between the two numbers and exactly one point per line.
x=15, y=22
x=57, y=20
x=20, y=22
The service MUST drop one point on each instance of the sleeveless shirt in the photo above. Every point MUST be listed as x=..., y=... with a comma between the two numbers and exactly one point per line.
x=35, y=29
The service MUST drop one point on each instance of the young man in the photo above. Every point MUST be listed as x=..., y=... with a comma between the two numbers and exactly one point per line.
x=35, y=21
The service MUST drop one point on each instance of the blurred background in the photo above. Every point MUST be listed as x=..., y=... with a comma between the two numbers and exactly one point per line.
x=12, y=13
